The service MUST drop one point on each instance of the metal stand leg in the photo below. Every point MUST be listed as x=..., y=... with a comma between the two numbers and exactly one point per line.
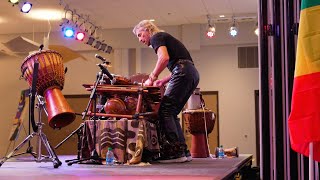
x=78, y=131
x=41, y=139
x=17, y=148
x=93, y=159
x=28, y=151
x=29, y=148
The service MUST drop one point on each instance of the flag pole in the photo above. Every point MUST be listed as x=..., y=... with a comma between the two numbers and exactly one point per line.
x=316, y=171
x=311, y=163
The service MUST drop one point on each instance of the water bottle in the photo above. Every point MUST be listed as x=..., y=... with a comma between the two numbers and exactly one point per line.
x=220, y=152
x=109, y=157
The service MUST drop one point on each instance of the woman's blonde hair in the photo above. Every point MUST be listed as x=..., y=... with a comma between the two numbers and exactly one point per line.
x=148, y=26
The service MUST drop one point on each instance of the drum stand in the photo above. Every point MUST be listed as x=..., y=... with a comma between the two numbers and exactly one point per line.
x=41, y=139
x=29, y=148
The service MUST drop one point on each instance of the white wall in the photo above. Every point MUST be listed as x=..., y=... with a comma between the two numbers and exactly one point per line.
x=216, y=60
x=219, y=72
x=9, y=95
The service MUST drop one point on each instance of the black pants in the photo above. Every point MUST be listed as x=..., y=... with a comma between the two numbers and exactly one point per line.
x=184, y=80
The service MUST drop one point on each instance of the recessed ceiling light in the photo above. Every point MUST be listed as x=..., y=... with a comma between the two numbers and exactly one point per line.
x=222, y=16
x=46, y=14
x=152, y=20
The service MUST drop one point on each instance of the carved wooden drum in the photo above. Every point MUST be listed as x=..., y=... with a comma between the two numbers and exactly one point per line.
x=195, y=123
x=49, y=84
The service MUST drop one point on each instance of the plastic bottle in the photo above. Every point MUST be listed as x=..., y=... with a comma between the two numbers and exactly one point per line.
x=109, y=157
x=220, y=152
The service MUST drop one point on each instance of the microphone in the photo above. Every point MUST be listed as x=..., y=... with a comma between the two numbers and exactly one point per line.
x=106, y=72
x=104, y=60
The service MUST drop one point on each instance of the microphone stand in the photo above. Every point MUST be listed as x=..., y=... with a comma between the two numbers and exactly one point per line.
x=94, y=157
x=79, y=132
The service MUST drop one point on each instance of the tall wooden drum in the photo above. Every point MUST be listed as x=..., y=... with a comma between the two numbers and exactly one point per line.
x=50, y=83
x=200, y=123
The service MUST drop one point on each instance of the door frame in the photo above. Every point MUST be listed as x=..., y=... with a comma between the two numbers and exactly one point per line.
x=217, y=114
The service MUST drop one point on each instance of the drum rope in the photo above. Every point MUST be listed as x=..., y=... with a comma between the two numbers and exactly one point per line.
x=202, y=104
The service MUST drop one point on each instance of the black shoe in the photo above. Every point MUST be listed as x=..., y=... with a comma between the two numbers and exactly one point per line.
x=172, y=159
x=188, y=155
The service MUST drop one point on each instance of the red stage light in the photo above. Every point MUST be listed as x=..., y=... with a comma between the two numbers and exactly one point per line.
x=80, y=36
x=210, y=34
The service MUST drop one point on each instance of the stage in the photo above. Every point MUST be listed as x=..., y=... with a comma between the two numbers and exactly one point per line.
x=199, y=168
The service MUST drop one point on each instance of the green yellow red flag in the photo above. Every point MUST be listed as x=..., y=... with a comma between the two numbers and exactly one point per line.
x=304, y=119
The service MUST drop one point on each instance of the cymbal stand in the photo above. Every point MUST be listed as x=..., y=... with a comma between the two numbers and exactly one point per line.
x=41, y=139
x=94, y=157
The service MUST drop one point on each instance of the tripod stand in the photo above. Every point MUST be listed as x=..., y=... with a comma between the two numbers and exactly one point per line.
x=94, y=157
x=13, y=137
x=41, y=139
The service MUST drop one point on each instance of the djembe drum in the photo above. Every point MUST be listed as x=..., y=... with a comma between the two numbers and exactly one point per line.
x=200, y=123
x=50, y=83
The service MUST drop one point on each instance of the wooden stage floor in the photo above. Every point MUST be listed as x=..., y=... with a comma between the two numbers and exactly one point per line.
x=19, y=168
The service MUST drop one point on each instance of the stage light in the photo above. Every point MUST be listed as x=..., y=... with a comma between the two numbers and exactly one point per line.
x=68, y=32
x=109, y=49
x=80, y=36
x=211, y=31
x=90, y=40
x=25, y=6
x=67, y=28
x=103, y=47
x=256, y=30
x=233, y=29
x=97, y=45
